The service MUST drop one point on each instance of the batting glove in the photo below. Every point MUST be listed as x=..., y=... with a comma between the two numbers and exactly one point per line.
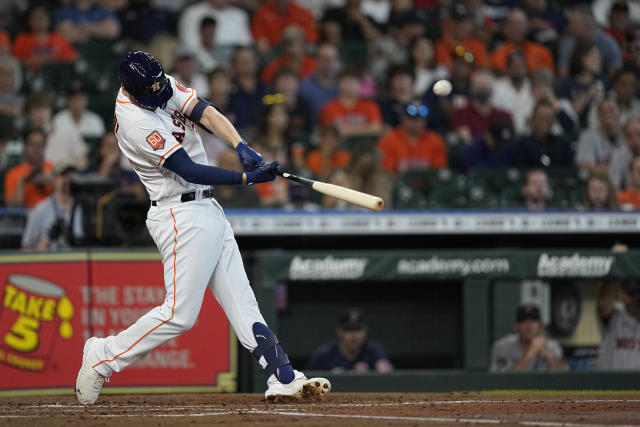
x=264, y=173
x=249, y=158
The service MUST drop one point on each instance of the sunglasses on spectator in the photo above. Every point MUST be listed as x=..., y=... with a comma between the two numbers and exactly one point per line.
x=276, y=98
x=464, y=54
x=417, y=110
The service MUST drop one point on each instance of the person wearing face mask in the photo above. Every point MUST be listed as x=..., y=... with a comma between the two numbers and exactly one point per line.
x=472, y=120
x=619, y=324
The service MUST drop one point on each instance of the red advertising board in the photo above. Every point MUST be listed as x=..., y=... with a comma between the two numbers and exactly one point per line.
x=50, y=304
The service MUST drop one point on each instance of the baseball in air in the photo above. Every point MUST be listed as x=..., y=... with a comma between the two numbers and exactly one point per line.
x=442, y=87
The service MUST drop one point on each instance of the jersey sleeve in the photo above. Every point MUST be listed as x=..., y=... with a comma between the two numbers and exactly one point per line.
x=153, y=143
x=182, y=95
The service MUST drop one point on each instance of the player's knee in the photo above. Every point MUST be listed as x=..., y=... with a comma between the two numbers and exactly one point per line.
x=184, y=322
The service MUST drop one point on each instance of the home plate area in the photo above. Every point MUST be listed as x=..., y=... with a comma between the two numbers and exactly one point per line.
x=356, y=409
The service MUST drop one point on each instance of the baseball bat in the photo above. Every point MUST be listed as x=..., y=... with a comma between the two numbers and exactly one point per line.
x=352, y=196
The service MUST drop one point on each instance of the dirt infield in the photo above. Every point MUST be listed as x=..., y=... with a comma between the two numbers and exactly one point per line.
x=354, y=409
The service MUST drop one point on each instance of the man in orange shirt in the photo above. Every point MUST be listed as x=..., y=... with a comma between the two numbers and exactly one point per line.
x=516, y=27
x=293, y=56
x=274, y=16
x=328, y=158
x=29, y=182
x=630, y=198
x=459, y=40
x=411, y=145
x=353, y=116
x=39, y=45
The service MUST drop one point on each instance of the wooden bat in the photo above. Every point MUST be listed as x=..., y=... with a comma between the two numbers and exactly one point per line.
x=352, y=196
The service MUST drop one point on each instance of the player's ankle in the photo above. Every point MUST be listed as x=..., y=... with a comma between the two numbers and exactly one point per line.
x=285, y=374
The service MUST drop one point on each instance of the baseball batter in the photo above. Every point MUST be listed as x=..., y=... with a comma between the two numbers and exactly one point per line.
x=155, y=119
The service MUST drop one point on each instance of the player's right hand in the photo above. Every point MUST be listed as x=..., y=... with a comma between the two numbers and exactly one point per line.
x=264, y=173
x=250, y=159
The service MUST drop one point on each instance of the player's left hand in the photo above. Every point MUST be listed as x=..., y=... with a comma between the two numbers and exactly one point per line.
x=249, y=158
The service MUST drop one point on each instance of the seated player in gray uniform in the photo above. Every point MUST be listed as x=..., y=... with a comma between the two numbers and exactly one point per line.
x=619, y=326
x=527, y=350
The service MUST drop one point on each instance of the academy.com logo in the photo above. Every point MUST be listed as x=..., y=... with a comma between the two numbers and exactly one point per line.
x=574, y=265
x=460, y=266
x=328, y=268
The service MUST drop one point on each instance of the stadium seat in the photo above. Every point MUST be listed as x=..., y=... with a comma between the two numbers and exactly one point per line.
x=454, y=195
x=413, y=187
x=511, y=196
x=494, y=180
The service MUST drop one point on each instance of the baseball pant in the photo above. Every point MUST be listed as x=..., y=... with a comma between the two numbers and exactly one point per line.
x=198, y=250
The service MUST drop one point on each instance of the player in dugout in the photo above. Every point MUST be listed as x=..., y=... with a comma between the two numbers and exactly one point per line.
x=353, y=351
x=527, y=350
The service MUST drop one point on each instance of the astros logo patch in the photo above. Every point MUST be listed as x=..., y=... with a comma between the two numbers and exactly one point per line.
x=155, y=140
x=155, y=86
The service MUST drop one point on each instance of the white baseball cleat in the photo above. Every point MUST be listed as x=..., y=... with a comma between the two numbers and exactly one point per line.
x=89, y=381
x=300, y=388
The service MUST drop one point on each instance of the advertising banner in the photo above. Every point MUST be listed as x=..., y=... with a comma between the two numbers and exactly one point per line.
x=50, y=306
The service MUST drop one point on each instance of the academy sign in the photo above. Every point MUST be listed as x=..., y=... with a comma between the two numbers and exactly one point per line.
x=575, y=265
x=327, y=268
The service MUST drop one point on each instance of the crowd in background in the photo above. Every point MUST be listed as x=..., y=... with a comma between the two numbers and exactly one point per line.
x=544, y=92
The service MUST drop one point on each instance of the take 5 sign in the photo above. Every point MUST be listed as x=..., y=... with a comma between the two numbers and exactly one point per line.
x=50, y=304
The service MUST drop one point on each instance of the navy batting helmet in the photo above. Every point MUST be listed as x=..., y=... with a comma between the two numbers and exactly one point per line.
x=143, y=77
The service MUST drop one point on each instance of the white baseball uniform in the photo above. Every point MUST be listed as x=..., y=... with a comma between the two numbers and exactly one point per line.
x=620, y=346
x=195, y=239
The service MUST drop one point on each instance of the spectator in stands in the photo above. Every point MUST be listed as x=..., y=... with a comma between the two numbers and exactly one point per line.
x=535, y=190
x=623, y=93
x=293, y=56
x=318, y=7
x=622, y=156
x=513, y=93
x=322, y=86
x=619, y=324
x=49, y=223
x=328, y=157
x=220, y=95
x=634, y=58
x=28, y=183
x=76, y=115
x=232, y=26
x=39, y=45
x=235, y=196
x=206, y=53
x=629, y=199
x=596, y=145
x=620, y=26
x=353, y=116
x=400, y=80
x=392, y=48
x=527, y=350
x=108, y=167
x=411, y=145
x=601, y=10
x=459, y=39
x=348, y=24
x=425, y=70
x=5, y=43
x=542, y=148
x=186, y=71
x=286, y=84
x=545, y=22
x=599, y=194
x=473, y=119
x=245, y=102
x=582, y=29
x=141, y=21
x=353, y=351
x=494, y=148
x=585, y=84
x=83, y=20
x=11, y=101
x=515, y=30
x=273, y=141
x=542, y=84
x=271, y=19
